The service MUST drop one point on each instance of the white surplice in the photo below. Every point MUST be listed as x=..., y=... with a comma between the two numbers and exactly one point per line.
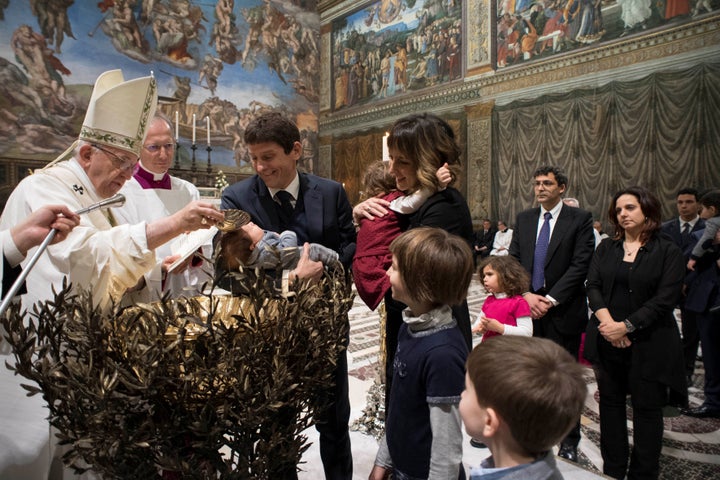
x=149, y=204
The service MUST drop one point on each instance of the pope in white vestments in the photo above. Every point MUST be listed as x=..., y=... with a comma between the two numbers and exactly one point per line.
x=97, y=255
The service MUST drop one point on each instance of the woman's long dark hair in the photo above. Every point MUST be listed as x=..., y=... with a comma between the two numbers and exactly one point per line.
x=650, y=207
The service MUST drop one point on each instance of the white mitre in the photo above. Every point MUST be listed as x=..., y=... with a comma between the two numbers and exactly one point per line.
x=119, y=111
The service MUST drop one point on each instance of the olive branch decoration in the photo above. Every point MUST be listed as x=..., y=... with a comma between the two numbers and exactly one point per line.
x=204, y=387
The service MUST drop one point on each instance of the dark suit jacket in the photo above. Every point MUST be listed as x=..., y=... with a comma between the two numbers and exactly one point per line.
x=703, y=283
x=568, y=258
x=482, y=239
x=671, y=230
x=327, y=211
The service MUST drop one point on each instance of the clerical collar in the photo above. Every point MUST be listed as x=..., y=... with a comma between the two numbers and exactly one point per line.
x=293, y=189
x=150, y=180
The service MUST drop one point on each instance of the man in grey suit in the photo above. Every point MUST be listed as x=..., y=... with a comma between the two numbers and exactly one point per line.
x=554, y=242
x=680, y=230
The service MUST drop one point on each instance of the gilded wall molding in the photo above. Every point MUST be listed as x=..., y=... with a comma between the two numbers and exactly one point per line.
x=478, y=168
x=478, y=43
x=325, y=161
x=325, y=59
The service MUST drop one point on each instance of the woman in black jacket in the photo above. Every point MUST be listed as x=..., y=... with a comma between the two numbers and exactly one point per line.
x=634, y=283
x=419, y=145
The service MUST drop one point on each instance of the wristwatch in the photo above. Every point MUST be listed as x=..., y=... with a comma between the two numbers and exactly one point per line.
x=630, y=327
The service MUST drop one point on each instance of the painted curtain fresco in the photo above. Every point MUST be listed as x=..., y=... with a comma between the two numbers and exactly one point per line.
x=395, y=46
x=528, y=30
x=224, y=60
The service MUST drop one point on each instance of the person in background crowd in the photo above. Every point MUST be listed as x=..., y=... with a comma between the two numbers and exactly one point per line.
x=503, y=238
x=703, y=300
x=680, y=230
x=483, y=240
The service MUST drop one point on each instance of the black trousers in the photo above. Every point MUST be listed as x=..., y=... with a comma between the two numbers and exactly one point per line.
x=709, y=328
x=545, y=328
x=332, y=424
x=690, y=339
x=615, y=381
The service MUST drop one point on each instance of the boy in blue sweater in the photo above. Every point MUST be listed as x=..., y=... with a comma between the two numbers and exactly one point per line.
x=431, y=270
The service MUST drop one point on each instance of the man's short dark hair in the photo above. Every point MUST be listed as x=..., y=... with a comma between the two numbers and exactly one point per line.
x=688, y=191
x=556, y=171
x=272, y=127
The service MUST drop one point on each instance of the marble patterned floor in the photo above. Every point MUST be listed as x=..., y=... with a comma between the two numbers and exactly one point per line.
x=691, y=447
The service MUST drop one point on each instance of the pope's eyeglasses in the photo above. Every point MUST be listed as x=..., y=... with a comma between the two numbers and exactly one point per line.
x=122, y=164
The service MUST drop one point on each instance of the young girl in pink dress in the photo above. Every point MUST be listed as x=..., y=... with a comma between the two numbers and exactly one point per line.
x=505, y=311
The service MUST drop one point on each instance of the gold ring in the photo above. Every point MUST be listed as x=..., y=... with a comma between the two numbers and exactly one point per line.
x=203, y=221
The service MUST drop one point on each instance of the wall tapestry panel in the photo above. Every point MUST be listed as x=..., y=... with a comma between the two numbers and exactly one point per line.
x=391, y=47
x=612, y=137
x=531, y=30
x=216, y=62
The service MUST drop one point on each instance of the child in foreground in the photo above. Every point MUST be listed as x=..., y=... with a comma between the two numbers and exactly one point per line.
x=372, y=257
x=431, y=270
x=522, y=396
x=505, y=311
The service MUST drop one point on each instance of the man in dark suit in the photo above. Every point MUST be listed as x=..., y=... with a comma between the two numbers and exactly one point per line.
x=702, y=292
x=555, y=243
x=680, y=231
x=483, y=241
x=279, y=198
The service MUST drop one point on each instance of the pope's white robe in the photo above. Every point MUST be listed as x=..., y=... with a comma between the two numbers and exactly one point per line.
x=96, y=256
x=149, y=204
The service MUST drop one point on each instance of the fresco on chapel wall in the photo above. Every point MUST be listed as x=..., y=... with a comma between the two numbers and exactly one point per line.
x=391, y=47
x=221, y=61
x=528, y=30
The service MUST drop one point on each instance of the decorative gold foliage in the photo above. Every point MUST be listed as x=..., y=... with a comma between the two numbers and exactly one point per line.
x=163, y=388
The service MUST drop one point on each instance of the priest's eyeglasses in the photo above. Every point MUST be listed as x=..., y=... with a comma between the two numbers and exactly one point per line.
x=169, y=147
x=122, y=164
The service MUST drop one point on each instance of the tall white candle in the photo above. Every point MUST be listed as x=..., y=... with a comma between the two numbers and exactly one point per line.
x=207, y=124
x=385, y=150
x=193, y=129
x=177, y=126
